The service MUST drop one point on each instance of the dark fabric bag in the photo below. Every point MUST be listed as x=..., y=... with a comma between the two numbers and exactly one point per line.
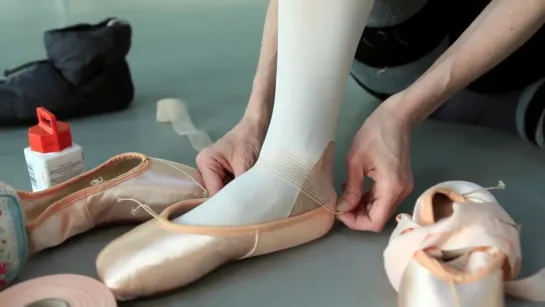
x=85, y=73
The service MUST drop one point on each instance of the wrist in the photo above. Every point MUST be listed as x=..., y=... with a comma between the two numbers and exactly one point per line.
x=260, y=104
x=403, y=111
x=258, y=113
x=413, y=105
x=255, y=123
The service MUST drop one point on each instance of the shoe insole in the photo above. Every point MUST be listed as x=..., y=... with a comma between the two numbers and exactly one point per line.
x=35, y=207
x=441, y=206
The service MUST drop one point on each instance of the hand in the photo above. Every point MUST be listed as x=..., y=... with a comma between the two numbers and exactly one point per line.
x=232, y=155
x=380, y=150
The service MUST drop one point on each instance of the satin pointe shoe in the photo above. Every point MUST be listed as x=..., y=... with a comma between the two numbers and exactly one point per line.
x=13, y=236
x=459, y=249
x=104, y=195
x=159, y=256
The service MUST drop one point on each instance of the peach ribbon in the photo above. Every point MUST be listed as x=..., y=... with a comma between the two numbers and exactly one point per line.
x=175, y=111
x=59, y=290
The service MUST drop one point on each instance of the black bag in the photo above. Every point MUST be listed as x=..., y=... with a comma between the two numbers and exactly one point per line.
x=85, y=73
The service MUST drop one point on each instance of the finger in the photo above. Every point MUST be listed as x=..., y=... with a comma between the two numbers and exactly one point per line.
x=198, y=178
x=212, y=174
x=240, y=168
x=213, y=181
x=227, y=178
x=387, y=194
x=355, y=218
x=353, y=189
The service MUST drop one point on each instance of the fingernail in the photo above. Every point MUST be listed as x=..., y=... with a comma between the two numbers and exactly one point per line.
x=342, y=205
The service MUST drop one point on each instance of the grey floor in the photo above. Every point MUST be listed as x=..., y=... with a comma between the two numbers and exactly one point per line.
x=205, y=51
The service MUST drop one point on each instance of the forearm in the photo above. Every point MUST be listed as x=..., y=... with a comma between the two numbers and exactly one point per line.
x=498, y=31
x=263, y=90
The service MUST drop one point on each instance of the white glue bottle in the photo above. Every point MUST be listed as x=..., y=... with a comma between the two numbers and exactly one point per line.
x=51, y=158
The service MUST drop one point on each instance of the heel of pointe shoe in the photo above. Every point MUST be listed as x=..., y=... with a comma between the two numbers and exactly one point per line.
x=13, y=236
x=420, y=287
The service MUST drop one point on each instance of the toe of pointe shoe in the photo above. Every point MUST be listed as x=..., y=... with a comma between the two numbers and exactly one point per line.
x=127, y=264
x=150, y=259
x=146, y=260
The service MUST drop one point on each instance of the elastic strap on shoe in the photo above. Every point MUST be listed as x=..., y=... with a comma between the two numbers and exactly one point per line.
x=303, y=175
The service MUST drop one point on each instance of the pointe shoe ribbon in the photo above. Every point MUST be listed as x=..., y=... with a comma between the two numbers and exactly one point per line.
x=170, y=110
x=476, y=221
x=104, y=195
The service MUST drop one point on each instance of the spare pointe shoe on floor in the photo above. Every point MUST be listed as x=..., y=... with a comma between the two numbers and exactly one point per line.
x=459, y=249
x=160, y=255
x=106, y=194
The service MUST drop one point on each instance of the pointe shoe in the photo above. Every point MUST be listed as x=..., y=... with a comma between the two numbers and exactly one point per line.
x=159, y=256
x=459, y=249
x=106, y=194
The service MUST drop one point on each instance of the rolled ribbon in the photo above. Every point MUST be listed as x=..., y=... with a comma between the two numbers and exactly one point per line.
x=63, y=290
x=175, y=111
x=13, y=236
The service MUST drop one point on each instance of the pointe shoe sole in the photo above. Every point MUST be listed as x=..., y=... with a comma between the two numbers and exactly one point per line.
x=159, y=256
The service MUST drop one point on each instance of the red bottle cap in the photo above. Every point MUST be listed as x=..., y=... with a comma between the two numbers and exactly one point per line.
x=49, y=135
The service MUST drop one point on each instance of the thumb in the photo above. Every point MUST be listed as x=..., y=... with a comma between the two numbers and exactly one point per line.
x=353, y=190
x=212, y=173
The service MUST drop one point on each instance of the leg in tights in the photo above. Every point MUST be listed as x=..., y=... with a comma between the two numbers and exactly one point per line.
x=317, y=40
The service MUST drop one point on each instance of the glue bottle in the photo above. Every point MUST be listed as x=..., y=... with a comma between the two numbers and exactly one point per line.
x=51, y=158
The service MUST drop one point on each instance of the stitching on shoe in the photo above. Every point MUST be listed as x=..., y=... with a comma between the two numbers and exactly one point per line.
x=85, y=193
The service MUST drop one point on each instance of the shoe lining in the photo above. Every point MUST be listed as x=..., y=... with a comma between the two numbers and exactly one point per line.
x=455, y=263
x=35, y=207
x=442, y=206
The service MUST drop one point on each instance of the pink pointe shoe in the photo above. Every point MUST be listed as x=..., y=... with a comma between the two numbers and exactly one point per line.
x=160, y=255
x=459, y=249
x=107, y=194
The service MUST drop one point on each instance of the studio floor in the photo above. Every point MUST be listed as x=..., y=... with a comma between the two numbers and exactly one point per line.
x=205, y=52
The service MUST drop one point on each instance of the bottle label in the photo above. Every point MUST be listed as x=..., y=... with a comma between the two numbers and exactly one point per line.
x=48, y=170
x=63, y=170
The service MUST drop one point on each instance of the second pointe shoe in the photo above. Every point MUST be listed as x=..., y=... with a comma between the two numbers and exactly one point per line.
x=106, y=194
x=459, y=249
x=161, y=255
